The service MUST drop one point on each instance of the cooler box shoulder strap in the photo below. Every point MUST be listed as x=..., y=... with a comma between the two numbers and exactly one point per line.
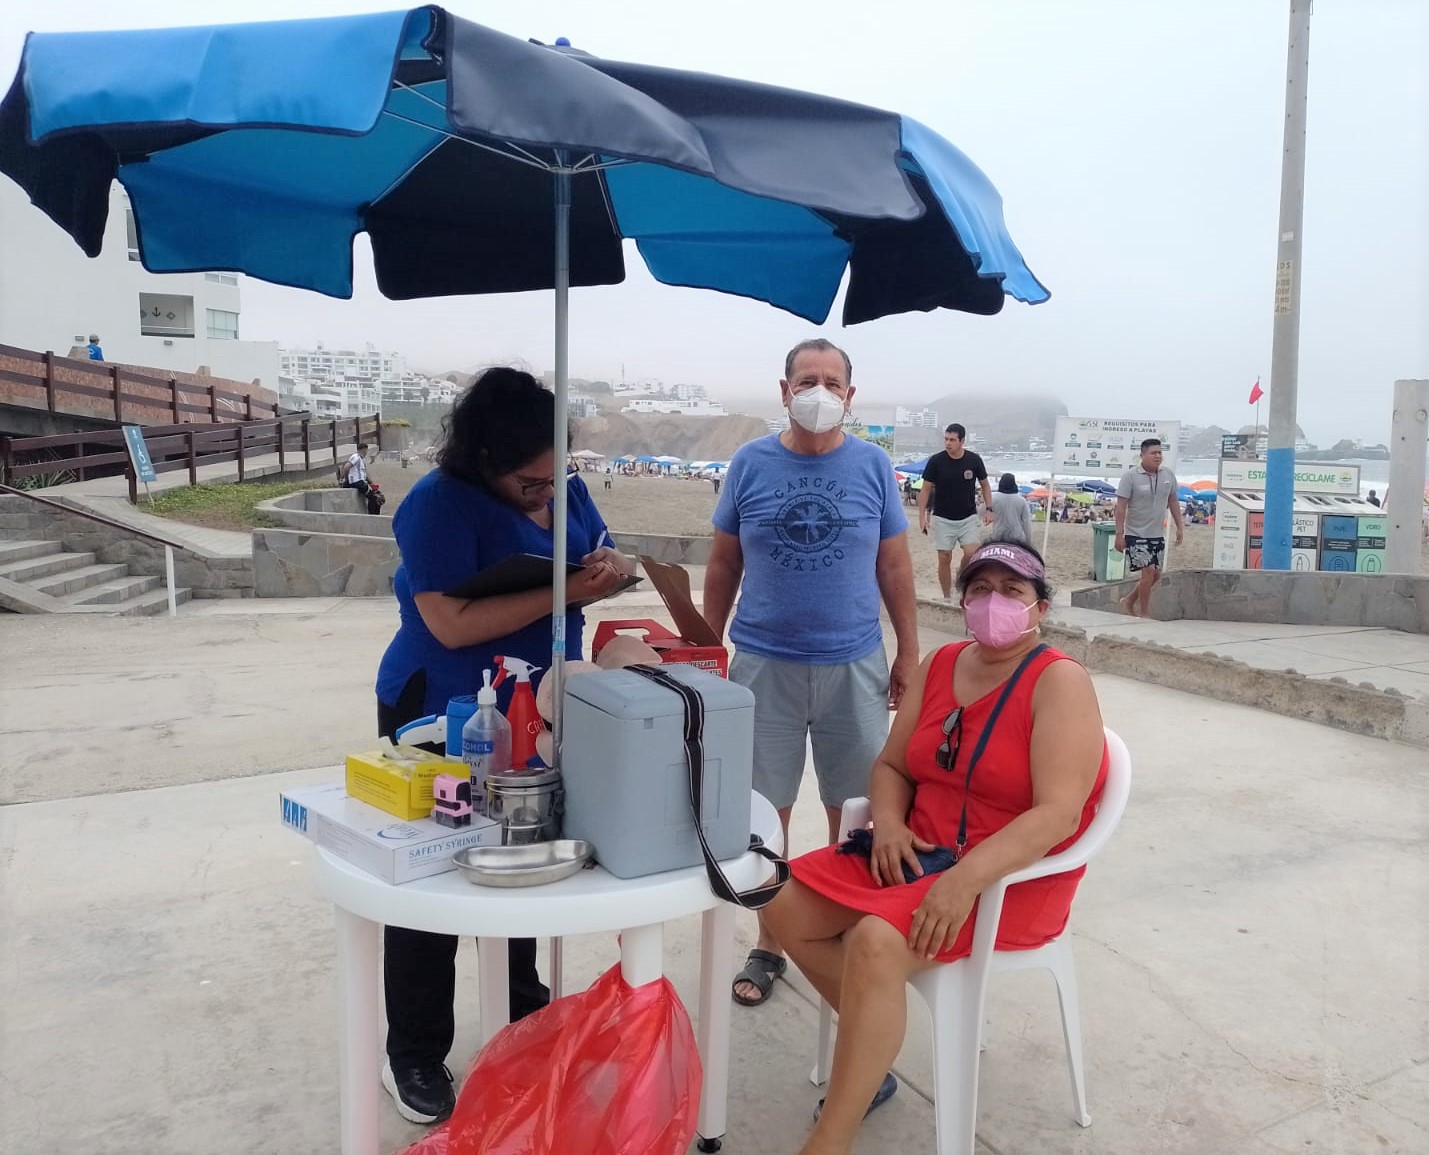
x=694, y=705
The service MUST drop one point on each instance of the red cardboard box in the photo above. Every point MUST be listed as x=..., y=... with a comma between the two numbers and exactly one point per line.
x=695, y=645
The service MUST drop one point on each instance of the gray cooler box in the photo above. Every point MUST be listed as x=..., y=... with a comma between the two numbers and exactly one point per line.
x=625, y=775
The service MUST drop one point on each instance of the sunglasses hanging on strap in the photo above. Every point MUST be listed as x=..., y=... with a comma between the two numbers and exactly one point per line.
x=760, y=896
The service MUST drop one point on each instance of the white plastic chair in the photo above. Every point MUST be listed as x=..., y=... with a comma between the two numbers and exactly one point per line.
x=956, y=993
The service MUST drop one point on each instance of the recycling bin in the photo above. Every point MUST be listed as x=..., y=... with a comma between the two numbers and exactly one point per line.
x=1108, y=562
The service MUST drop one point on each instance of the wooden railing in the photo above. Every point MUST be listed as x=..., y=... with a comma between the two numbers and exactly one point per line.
x=187, y=446
x=52, y=379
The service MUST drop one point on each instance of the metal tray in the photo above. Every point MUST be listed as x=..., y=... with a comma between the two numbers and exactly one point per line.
x=530, y=865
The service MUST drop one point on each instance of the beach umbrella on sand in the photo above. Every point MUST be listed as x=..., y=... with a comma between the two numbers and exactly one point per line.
x=1026, y=489
x=1081, y=498
x=1185, y=493
x=1096, y=485
x=479, y=162
x=1205, y=483
x=1040, y=493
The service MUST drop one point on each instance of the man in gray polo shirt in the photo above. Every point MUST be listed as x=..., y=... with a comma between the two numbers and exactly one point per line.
x=1143, y=498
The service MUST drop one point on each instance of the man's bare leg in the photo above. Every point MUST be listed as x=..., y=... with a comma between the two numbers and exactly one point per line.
x=968, y=551
x=945, y=571
x=1149, y=577
x=766, y=940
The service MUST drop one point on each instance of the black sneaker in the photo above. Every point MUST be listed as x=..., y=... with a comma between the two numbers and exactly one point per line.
x=423, y=1094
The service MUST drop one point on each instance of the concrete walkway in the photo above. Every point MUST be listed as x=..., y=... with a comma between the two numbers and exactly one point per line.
x=1252, y=947
x=1382, y=659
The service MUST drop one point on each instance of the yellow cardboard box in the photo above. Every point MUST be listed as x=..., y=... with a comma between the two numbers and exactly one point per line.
x=397, y=779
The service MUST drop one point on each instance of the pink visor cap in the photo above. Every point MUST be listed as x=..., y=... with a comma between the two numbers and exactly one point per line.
x=1014, y=557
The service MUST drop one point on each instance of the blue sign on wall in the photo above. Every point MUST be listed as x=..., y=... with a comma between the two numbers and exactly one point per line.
x=139, y=454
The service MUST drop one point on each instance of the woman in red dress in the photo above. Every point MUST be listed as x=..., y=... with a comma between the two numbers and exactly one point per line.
x=998, y=746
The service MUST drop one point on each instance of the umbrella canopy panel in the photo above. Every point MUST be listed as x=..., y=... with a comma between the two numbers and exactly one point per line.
x=265, y=148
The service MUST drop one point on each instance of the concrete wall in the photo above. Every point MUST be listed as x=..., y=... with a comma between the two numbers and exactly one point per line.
x=290, y=563
x=335, y=511
x=332, y=553
x=1390, y=601
x=207, y=576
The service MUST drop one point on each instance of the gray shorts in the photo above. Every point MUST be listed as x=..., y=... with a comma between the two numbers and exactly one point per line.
x=841, y=710
x=948, y=534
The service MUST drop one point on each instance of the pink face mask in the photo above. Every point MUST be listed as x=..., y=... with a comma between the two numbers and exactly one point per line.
x=997, y=620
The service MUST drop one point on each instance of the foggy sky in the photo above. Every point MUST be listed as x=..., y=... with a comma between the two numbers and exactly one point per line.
x=1136, y=144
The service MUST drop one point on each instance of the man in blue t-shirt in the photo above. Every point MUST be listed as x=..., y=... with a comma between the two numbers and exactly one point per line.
x=811, y=520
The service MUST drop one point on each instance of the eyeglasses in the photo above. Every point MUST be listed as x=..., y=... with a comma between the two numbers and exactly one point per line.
x=947, y=755
x=535, y=486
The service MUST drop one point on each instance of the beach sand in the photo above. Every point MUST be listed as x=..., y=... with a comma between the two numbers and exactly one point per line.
x=667, y=505
x=680, y=507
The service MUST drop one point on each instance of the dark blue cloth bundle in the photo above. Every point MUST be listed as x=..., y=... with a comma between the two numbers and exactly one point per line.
x=933, y=861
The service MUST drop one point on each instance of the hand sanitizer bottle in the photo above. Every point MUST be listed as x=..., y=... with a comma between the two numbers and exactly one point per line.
x=485, y=742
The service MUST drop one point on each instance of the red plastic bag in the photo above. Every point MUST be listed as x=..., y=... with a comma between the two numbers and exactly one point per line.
x=613, y=1070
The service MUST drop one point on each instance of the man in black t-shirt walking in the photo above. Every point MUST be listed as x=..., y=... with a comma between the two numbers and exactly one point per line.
x=950, y=484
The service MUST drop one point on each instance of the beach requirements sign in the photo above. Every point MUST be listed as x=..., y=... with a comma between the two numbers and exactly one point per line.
x=1108, y=446
x=139, y=454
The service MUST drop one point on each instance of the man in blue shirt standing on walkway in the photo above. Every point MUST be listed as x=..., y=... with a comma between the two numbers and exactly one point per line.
x=811, y=520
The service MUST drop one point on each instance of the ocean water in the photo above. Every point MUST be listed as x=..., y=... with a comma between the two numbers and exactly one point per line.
x=1373, y=474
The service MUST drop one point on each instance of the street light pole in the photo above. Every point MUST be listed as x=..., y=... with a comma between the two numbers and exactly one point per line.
x=1285, y=347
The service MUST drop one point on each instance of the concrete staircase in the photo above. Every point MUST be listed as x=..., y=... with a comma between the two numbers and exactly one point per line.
x=79, y=583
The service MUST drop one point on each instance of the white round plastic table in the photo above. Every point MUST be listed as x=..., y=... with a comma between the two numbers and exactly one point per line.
x=589, y=901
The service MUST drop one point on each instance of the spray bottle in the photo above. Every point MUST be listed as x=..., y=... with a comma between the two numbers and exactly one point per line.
x=485, y=742
x=525, y=719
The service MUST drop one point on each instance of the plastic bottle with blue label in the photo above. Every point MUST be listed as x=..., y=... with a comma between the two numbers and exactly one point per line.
x=485, y=743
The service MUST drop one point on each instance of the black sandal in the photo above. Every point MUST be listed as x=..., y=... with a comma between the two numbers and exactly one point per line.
x=885, y=1092
x=761, y=968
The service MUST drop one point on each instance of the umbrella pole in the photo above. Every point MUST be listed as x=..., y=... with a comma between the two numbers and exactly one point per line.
x=557, y=671
x=1047, y=525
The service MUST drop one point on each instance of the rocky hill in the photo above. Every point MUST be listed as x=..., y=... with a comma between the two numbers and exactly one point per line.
x=692, y=438
x=999, y=419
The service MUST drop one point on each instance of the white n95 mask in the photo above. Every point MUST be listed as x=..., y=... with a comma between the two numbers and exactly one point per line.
x=816, y=410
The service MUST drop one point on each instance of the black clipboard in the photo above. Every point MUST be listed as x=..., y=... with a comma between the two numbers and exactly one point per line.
x=521, y=572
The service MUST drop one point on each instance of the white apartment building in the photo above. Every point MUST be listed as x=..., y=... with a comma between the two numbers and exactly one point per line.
x=311, y=398
x=335, y=364
x=52, y=297
x=414, y=389
x=364, y=379
x=582, y=405
x=918, y=418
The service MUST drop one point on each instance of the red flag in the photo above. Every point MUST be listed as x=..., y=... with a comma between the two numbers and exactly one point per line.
x=1256, y=392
